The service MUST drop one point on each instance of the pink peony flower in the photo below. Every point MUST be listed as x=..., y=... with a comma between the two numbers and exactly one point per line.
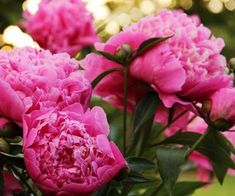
x=11, y=185
x=30, y=75
x=61, y=26
x=191, y=48
x=188, y=64
x=3, y=122
x=68, y=152
x=222, y=104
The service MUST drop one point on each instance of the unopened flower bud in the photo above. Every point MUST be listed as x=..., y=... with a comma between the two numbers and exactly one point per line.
x=222, y=124
x=124, y=52
x=232, y=63
x=4, y=146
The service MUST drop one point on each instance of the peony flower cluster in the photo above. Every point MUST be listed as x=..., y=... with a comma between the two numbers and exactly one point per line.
x=61, y=26
x=186, y=70
x=186, y=66
x=65, y=144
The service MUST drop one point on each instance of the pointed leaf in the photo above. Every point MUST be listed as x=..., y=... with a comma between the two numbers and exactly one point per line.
x=109, y=56
x=135, y=177
x=169, y=161
x=102, y=75
x=145, y=110
x=103, y=191
x=146, y=45
x=143, y=121
x=184, y=138
x=215, y=146
x=140, y=164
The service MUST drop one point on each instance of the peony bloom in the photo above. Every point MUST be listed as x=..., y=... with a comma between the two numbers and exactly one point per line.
x=194, y=49
x=68, y=152
x=222, y=104
x=11, y=185
x=61, y=26
x=188, y=64
x=30, y=75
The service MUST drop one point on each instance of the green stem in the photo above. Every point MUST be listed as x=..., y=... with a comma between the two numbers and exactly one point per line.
x=125, y=87
x=176, y=118
x=23, y=180
x=194, y=146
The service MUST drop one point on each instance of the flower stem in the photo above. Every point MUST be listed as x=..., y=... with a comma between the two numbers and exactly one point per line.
x=194, y=146
x=23, y=180
x=125, y=88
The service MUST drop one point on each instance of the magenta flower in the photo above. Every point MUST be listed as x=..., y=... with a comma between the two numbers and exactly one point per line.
x=222, y=104
x=196, y=50
x=188, y=64
x=68, y=152
x=31, y=77
x=11, y=185
x=61, y=26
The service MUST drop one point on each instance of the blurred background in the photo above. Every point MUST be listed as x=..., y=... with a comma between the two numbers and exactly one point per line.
x=110, y=17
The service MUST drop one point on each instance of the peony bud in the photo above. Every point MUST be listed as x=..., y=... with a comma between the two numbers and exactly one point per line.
x=222, y=108
x=232, y=63
x=124, y=52
x=222, y=124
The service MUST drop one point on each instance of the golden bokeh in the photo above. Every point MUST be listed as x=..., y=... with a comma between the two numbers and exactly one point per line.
x=112, y=15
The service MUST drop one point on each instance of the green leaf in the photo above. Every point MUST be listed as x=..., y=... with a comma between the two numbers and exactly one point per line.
x=1, y=177
x=113, y=192
x=103, y=191
x=145, y=110
x=140, y=164
x=215, y=146
x=218, y=153
x=184, y=138
x=182, y=189
x=169, y=161
x=222, y=140
x=146, y=45
x=102, y=75
x=109, y=56
x=136, y=178
x=15, y=149
x=17, y=160
x=143, y=120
